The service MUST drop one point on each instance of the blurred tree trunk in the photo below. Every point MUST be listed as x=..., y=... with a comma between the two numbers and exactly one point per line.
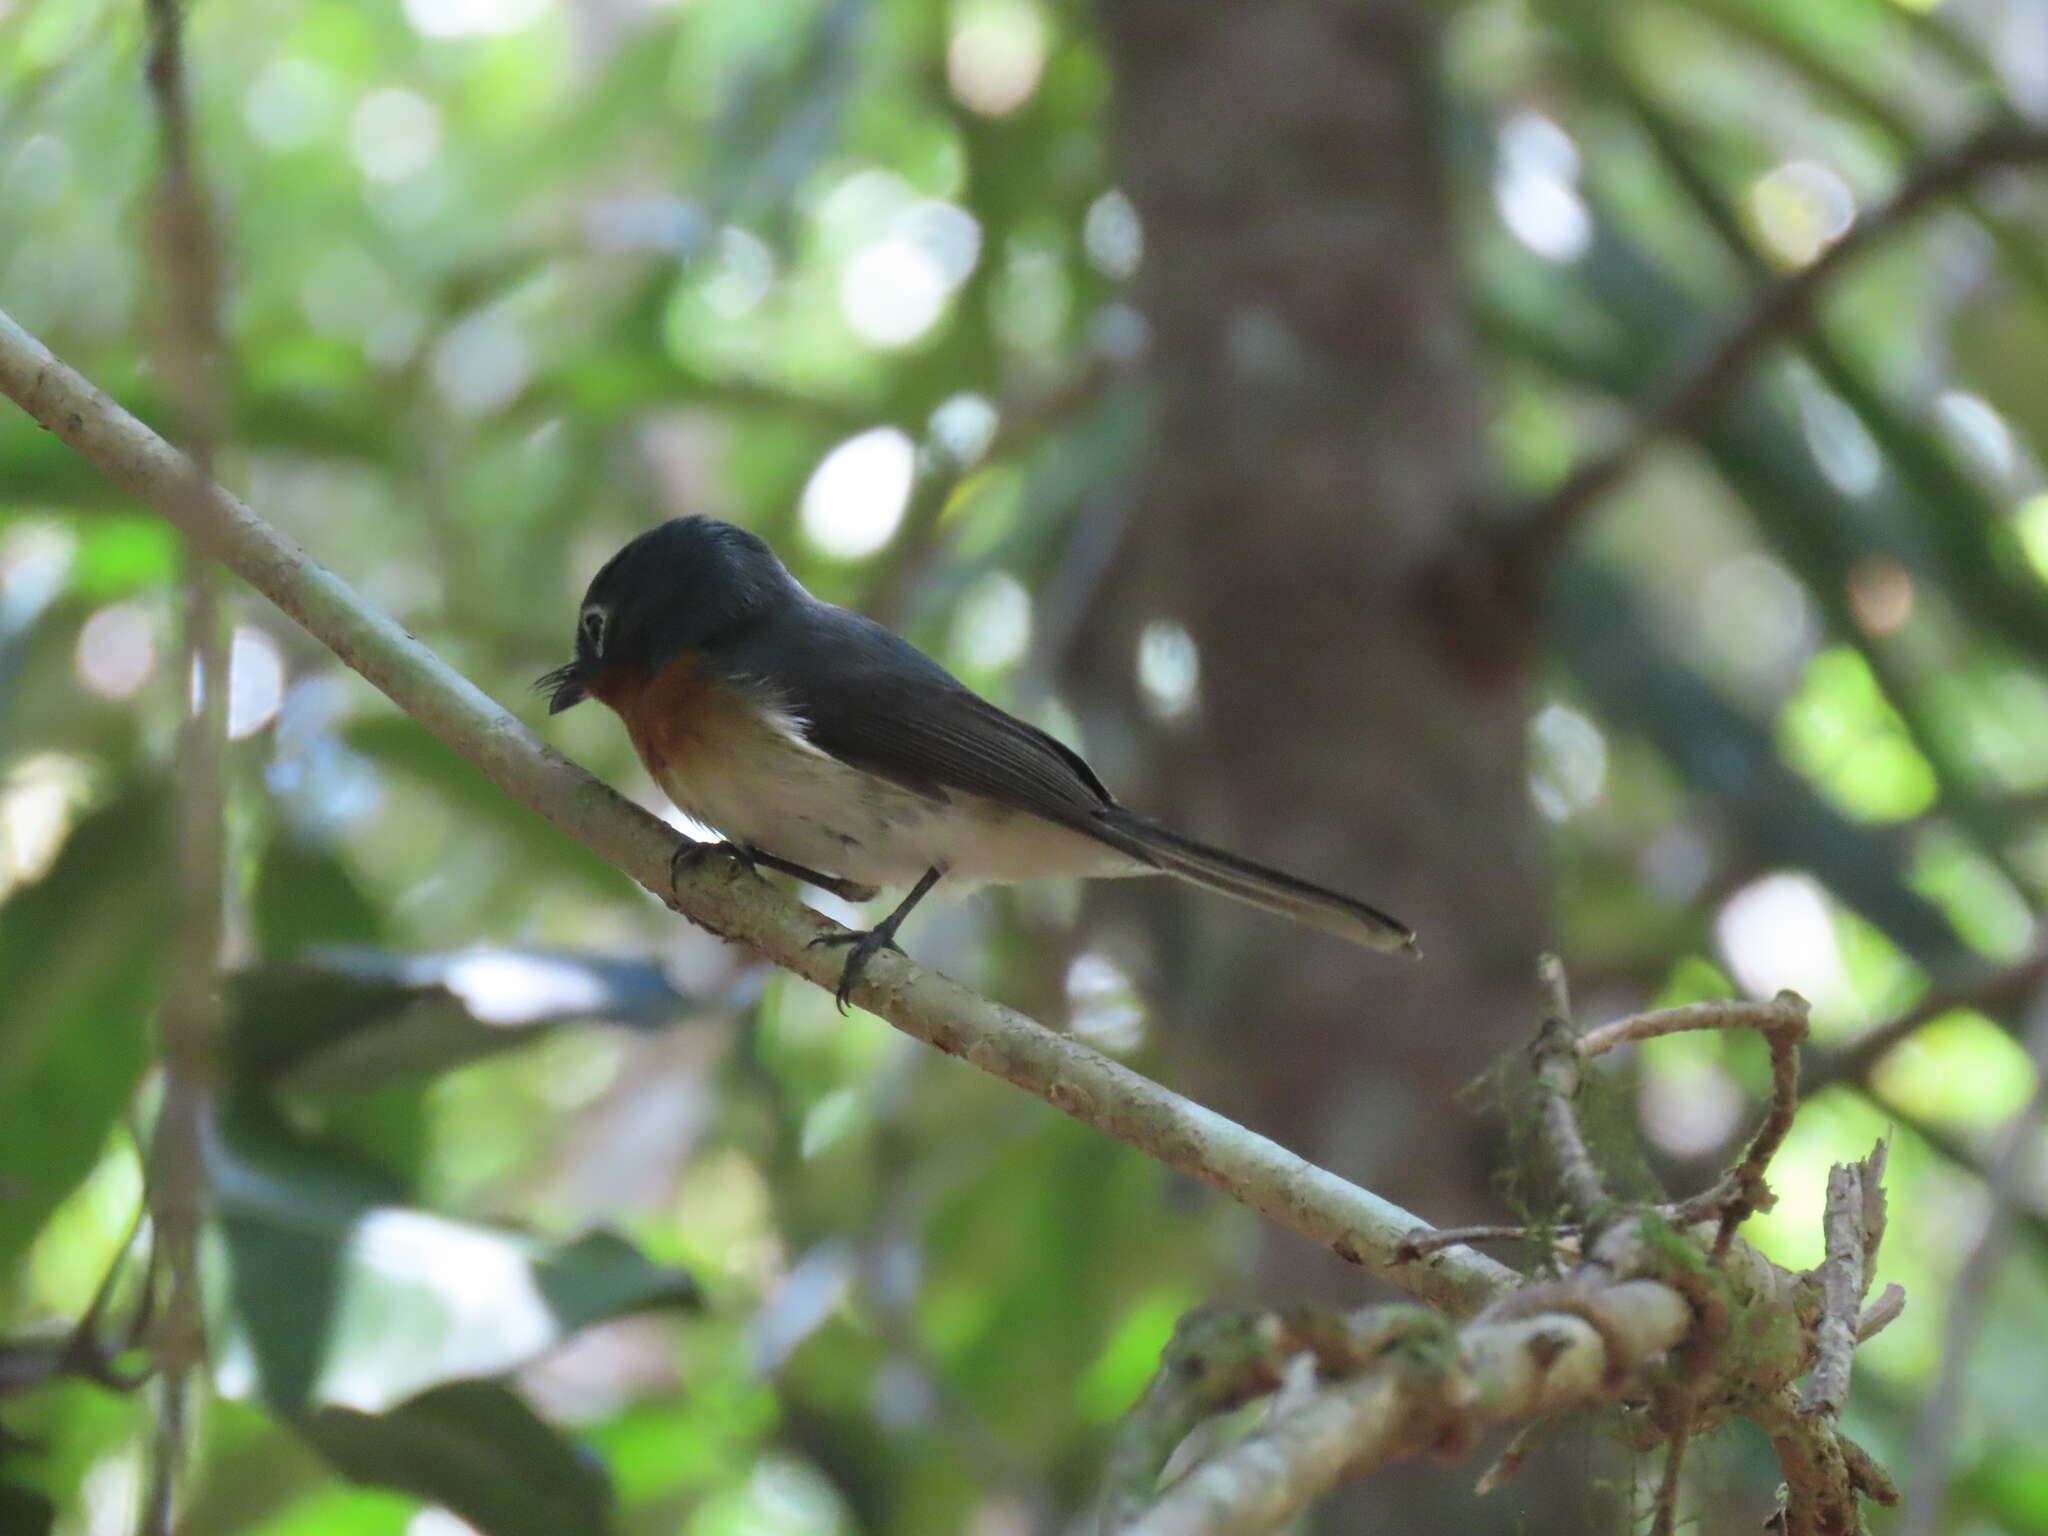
x=1317, y=460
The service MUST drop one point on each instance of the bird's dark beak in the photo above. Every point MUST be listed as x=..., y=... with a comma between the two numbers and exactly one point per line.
x=563, y=686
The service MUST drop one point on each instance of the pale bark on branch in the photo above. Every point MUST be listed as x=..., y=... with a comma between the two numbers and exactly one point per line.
x=1353, y=1222
x=1425, y=1395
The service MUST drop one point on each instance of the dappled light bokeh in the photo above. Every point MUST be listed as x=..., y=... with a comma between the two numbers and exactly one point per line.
x=509, y=281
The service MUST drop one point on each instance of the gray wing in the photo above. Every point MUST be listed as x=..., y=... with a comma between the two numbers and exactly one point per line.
x=876, y=702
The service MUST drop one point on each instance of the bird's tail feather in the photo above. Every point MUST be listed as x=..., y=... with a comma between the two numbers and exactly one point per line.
x=1269, y=889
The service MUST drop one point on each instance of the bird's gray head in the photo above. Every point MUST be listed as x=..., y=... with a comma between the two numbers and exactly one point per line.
x=677, y=588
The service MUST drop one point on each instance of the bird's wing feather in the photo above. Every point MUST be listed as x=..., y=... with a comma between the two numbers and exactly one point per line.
x=935, y=737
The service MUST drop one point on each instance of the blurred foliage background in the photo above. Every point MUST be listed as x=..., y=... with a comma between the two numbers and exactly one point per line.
x=537, y=1209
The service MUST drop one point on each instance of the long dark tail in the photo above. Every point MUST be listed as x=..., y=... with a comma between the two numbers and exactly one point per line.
x=1256, y=885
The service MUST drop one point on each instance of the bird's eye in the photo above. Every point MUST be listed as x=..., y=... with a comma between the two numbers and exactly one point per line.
x=593, y=630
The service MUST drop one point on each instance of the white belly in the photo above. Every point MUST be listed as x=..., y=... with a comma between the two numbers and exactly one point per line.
x=788, y=798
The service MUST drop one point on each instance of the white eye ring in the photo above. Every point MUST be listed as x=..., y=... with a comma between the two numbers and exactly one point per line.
x=593, y=630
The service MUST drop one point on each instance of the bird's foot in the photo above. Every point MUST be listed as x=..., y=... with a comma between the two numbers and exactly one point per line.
x=861, y=947
x=690, y=857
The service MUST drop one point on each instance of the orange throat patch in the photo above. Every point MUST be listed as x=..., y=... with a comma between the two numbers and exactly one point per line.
x=683, y=724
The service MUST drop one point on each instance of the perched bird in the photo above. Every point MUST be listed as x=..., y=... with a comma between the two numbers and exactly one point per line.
x=822, y=745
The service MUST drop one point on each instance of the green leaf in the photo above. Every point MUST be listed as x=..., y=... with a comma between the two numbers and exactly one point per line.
x=326, y=1291
x=337, y=1506
x=82, y=951
x=347, y=1019
x=1842, y=732
x=120, y=554
x=305, y=895
x=477, y=1449
x=55, y=1433
x=1961, y=1070
x=1131, y=1356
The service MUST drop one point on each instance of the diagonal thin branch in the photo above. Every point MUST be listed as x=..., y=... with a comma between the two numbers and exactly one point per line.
x=1355, y=1223
x=1697, y=394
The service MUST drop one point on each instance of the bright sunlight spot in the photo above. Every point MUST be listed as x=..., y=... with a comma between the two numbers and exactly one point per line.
x=394, y=134
x=996, y=56
x=255, y=682
x=894, y=290
x=963, y=427
x=856, y=496
x=501, y=986
x=1112, y=235
x=1103, y=1005
x=1535, y=188
x=1169, y=669
x=1979, y=429
x=994, y=623
x=39, y=800
x=471, y=18
x=1801, y=208
x=1689, y=1108
x=117, y=650
x=1776, y=933
x=35, y=559
x=892, y=293
x=1568, y=767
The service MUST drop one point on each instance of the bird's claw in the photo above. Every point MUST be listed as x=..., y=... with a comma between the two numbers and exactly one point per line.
x=690, y=857
x=861, y=947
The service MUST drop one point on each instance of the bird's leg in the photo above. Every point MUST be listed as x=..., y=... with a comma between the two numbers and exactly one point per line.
x=845, y=890
x=863, y=947
x=689, y=856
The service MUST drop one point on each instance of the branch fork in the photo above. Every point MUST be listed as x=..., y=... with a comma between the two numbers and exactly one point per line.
x=1654, y=1304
